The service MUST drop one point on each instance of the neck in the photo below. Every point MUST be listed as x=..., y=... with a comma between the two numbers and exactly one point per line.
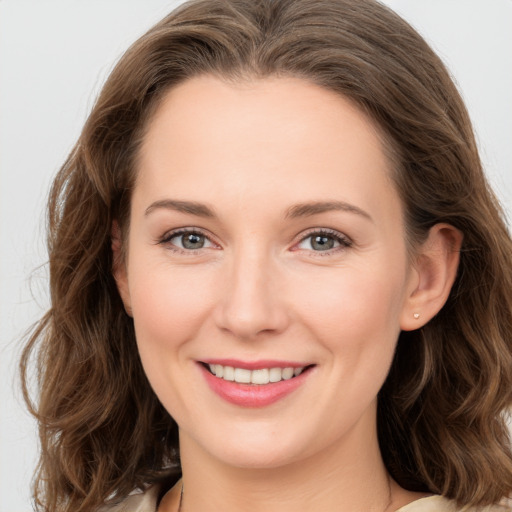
x=348, y=477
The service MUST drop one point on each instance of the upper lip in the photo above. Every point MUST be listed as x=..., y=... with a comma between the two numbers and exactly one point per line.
x=256, y=365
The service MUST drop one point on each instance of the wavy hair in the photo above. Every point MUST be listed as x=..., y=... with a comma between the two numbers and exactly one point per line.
x=442, y=410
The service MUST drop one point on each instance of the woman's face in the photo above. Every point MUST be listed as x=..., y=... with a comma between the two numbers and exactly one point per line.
x=266, y=239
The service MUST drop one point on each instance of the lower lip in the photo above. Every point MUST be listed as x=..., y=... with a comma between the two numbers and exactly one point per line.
x=253, y=395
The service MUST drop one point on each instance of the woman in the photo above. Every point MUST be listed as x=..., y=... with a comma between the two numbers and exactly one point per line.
x=279, y=279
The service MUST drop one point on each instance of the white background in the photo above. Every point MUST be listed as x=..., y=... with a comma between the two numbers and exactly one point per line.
x=54, y=56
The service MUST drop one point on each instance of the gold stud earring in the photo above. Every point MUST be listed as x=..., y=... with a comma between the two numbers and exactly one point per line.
x=416, y=315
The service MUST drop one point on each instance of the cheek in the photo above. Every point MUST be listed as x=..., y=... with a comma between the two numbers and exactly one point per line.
x=356, y=310
x=353, y=294
x=169, y=305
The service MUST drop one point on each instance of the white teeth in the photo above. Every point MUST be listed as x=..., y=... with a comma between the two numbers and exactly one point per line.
x=242, y=375
x=219, y=370
x=275, y=374
x=287, y=373
x=229, y=373
x=261, y=376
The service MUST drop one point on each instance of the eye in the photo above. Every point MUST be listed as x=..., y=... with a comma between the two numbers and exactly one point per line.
x=324, y=240
x=188, y=240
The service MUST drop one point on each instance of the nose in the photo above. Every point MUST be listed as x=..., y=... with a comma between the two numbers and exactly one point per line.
x=252, y=298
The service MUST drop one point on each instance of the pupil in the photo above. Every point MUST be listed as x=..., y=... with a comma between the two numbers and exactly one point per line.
x=322, y=243
x=193, y=241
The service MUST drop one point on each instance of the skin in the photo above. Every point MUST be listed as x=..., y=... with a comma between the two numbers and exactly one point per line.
x=258, y=289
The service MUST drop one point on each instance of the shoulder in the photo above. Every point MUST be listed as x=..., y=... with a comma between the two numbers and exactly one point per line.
x=440, y=504
x=142, y=501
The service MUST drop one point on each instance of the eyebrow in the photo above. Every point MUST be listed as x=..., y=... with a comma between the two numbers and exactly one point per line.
x=314, y=208
x=294, y=212
x=190, y=207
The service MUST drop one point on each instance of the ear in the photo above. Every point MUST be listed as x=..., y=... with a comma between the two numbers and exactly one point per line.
x=119, y=267
x=433, y=274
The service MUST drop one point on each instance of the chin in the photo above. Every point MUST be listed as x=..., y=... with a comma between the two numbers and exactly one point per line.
x=261, y=450
x=258, y=459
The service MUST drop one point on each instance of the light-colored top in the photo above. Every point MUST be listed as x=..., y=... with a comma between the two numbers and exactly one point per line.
x=147, y=502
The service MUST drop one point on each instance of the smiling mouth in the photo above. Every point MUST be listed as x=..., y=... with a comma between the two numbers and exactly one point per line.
x=260, y=376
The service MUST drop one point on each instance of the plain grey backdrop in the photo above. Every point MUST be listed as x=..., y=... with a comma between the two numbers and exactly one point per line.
x=54, y=56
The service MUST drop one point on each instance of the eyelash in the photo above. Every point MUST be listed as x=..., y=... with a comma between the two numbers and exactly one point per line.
x=166, y=240
x=343, y=241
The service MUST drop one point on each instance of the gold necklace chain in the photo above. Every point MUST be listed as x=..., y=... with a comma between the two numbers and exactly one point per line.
x=181, y=497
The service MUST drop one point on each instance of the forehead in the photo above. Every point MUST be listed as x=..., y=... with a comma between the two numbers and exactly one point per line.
x=257, y=139
x=199, y=107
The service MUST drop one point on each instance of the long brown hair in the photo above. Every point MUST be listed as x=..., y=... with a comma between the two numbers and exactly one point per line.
x=442, y=411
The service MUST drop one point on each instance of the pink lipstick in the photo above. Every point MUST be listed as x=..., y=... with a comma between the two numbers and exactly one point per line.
x=253, y=384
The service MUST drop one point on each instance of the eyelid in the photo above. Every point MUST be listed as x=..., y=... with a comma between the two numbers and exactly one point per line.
x=344, y=241
x=169, y=235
